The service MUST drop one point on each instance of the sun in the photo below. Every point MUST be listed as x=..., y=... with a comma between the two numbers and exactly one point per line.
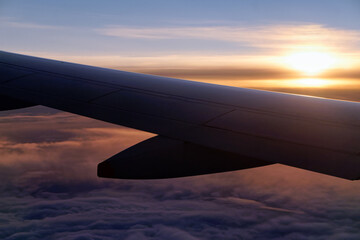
x=310, y=63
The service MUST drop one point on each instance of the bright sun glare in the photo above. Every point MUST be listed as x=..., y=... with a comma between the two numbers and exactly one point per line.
x=310, y=63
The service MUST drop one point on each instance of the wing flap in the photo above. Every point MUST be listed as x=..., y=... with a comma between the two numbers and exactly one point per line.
x=337, y=137
x=161, y=157
x=9, y=103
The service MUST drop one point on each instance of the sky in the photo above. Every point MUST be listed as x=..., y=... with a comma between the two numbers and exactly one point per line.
x=213, y=41
x=48, y=158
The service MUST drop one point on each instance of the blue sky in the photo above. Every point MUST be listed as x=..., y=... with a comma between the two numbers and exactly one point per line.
x=74, y=27
x=344, y=14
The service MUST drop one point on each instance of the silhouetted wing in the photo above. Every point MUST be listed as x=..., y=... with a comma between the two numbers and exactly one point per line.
x=195, y=121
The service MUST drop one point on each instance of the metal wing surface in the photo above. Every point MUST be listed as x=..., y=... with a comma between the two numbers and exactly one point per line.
x=202, y=128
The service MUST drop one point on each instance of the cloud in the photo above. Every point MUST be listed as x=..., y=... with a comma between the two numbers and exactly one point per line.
x=223, y=73
x=9, y=22
x=49, y=190
x=265, y=36
x=200, y=65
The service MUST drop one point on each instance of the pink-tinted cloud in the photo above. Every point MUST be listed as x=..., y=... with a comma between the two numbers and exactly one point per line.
x=49, y=190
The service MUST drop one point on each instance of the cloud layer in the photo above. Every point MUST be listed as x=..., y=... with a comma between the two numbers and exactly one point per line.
x=49, y=190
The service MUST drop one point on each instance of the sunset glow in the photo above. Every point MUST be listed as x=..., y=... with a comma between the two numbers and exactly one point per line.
x=311, y=63
x=311, y=82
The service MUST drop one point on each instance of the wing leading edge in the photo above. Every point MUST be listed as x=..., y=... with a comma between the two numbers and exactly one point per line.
x=254, y=127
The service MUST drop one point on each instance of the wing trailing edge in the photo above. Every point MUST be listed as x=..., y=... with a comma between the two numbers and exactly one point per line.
x=162, y=157
x=9, y=103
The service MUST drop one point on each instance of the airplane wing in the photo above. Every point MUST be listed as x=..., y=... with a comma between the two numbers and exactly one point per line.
x=202, y=128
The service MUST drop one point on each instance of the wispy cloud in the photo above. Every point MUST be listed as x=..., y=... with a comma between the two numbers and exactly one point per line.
x=9, y=22
x=156, y=61
x=268, y=36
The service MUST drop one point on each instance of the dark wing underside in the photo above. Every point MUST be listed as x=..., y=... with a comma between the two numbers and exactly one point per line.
x=203, y=128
